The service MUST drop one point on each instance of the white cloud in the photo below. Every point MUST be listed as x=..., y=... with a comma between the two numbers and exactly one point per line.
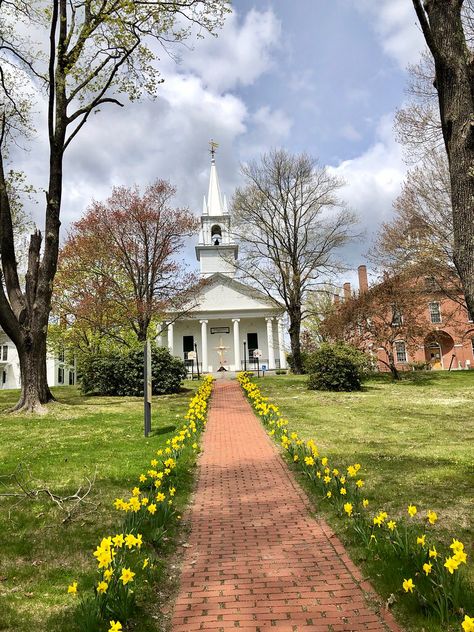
x=349, y=132
x=373, y=181
x=240, y=54
x=395, y=24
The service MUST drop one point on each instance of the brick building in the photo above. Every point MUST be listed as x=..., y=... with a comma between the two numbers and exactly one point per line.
x=442, y=339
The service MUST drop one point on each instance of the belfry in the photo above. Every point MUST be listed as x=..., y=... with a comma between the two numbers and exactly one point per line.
x=229, y=320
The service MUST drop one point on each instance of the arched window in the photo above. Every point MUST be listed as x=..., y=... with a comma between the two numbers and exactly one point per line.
x=216, y=234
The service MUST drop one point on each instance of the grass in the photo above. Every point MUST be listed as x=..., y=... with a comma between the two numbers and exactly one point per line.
x=415, y=441
x=78, y=437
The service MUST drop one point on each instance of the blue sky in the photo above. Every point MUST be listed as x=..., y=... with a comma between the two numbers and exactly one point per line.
x=321, y=76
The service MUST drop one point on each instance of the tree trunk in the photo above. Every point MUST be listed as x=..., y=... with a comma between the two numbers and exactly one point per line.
x=295, y=342
x=34, y=385
x=392, y=367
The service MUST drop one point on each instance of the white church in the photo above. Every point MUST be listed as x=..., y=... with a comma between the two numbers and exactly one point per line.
x=231, y=323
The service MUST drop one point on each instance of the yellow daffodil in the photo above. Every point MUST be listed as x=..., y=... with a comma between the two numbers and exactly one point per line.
x=118, y=540
x=433, y=552
x=324, y=461
x=360, y=483
x=343, y=491
x=142, y=478
x=365, y=502
x=456, y=546
x=421, y=540
x=108, y=574
x=102, y=587
x=115, y=626
x=391, y=524
x=127, y=576
x=145, y=563
x=160, y=497
x=468, y=624
x=136, y=491
x=348, y=509
x=460, y=557
x=432, y=516
x=152, y=508
x=451, y=564
x=412, y=511
x=72, y=588
x=427, y=567
x=295, y=458
x=329, y=494
x=408, y=585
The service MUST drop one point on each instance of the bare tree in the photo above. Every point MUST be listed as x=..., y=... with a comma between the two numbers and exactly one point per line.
x=447, y=28
x=291, y=224
x=82, y=54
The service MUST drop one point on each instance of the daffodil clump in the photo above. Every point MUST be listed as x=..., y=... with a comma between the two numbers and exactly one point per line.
x=433, y=577
x=125, y=559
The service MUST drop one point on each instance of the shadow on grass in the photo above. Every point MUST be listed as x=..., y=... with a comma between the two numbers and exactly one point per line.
x=161, y=431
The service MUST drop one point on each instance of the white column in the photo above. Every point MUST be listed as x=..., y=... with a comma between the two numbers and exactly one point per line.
x=171, y=338
x=281, y=348
x=236, y=322
x=271, y=352
x=205, y=365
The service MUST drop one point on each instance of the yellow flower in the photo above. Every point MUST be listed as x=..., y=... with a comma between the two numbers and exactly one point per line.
x=391, y=524
x=172, y=491
x=115, y=626
x=360, y=483
x=138, y=540
x=408, y=585
x=118, y=540
x=102, y=587
x=432, y=516
x=460, y=557
x=142, y=478
x=412, y=510
x=421, y=540
x=433, y=552
x=343, y=479
x=118, y=503
x=136, y=491
x=324, y=461
x=335, y=471
x=329, y=494
x=456, y=546
x=160, y=497
x=327, y=479
x=451, y=564
x=365, y=502
x=153, y=463
x=351, y=471
x=108, y=574
x=145, y=501
x=145, y=563
x=152, y=508
x=72, y=588
x=127, y=576
x=343, y=491
x=348, y=509
x=427, y=567
x=295, y=458
x=309, y=460
x=468, y=624
x=130, y=540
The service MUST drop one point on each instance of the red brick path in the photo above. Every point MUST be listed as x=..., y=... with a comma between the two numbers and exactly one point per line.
x=257, y=559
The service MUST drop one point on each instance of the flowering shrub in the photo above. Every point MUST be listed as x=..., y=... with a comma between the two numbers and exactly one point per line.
x=122, y=564
x=434, y=577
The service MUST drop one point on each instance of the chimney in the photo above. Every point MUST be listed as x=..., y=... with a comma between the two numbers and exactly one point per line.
x=335, y=299
x=363, y=283
x=347, y=291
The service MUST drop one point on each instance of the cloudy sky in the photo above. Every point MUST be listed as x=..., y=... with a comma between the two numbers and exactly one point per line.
x=321, y=76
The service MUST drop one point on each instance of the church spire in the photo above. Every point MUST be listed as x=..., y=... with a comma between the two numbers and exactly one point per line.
x=215, y=205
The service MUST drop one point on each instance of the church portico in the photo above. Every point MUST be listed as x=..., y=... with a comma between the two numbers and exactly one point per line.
x=229, y=320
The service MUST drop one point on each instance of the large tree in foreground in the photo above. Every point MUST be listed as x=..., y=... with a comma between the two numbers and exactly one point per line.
x=447, y=28
x=291, y=224
x=119, y=268
x=82, y=55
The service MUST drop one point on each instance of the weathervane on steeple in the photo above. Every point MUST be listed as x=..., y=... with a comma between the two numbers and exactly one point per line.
x=213, y=145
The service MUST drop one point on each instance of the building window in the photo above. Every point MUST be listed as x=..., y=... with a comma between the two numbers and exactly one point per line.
x=72, y=378
x=4, y=375
x=61, y=355
x=60, y=375
x=397, y=318
x=5, y=353
x=435, y=313
x=401, y=351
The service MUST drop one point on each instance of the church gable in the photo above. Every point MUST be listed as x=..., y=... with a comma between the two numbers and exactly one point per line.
x=226, y=294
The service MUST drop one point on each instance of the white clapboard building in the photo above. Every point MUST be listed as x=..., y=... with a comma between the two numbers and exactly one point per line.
x=231, y=319
x=59, y=372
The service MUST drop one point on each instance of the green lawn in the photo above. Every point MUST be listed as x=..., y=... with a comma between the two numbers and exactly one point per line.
x=414, y=439
x=39, y=555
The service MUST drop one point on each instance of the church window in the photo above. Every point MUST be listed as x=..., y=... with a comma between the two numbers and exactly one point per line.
x=60, y=375
x=435, y=313
x=401, y=351
x=5, y=353
x=4, y=377
x=216, y=235
x=397, y=318
x=72, y=378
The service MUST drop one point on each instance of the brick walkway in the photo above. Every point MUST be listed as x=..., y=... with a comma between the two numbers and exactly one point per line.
x=257, y=560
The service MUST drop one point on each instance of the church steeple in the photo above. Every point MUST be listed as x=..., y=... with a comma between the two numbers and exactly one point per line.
x=216, y=249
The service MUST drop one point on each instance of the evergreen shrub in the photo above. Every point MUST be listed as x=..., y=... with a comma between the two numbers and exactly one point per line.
x=336, y=367
x=121, y=373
